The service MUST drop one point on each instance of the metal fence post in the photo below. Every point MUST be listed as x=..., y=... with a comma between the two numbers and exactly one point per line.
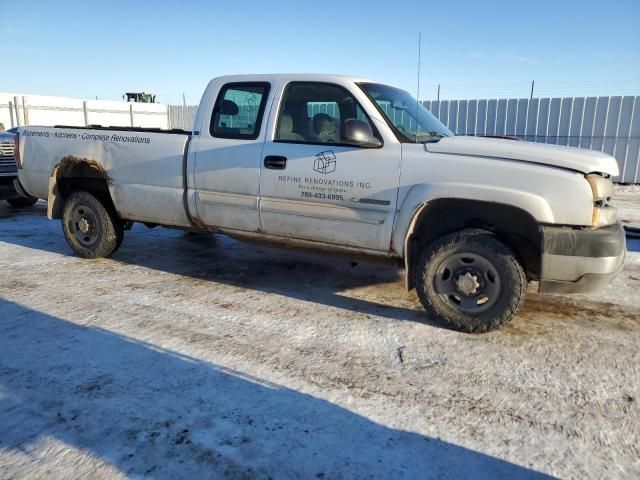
x=16, y=105
x=11, y=119
x=86, y=113
x=25, y=112
x=131, y=113
x=184, y=110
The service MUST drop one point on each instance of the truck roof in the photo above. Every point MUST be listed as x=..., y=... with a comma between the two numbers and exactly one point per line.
x=293, y=76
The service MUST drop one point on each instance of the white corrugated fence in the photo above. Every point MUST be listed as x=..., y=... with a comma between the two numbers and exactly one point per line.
x=609, y=124
x=21, y=110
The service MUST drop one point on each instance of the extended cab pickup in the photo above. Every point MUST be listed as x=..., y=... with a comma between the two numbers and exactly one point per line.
x=345, y=164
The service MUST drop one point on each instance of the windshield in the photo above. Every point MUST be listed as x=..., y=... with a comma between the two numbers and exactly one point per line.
x=401, y=110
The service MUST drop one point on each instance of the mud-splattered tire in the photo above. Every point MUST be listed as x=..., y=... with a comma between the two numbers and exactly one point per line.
x=92, y=229
x=470, y=280
x=22, y=202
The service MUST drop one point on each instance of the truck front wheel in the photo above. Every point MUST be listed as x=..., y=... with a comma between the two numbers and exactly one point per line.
x=91, y=228
x=470, y=280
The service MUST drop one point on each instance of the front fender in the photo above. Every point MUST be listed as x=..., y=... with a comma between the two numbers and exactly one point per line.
x=419, y=197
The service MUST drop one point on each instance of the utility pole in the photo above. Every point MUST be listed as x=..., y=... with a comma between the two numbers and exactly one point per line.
x=533, y=82
x=438, y=92
x=418, y=92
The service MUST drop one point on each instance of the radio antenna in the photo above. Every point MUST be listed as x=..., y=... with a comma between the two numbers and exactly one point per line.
x=418, y=92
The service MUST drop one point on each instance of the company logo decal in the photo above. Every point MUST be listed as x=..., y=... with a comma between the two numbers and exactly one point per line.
x=325, y=162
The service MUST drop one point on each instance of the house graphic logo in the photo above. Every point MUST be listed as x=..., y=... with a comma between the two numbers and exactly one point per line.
x=325, y=162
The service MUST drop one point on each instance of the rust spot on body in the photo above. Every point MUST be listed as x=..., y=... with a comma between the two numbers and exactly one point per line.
x=66, y=166
x=71, y=167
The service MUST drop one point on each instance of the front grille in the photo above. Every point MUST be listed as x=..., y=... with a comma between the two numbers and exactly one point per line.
x=6, y=149
x=7, y=161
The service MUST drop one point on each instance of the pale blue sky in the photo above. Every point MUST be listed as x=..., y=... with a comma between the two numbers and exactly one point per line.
x=472, y=48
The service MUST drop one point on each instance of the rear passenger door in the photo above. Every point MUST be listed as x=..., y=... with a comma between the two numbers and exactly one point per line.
x=228, y=155
x=316, y=184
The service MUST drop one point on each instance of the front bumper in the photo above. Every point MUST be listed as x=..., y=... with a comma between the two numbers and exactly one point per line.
x=580, y=260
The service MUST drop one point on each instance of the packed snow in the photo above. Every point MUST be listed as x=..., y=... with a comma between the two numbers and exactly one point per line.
x=188, y=356
x=627, y=199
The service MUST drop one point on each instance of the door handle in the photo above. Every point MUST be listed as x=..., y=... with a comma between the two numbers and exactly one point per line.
x=275, y=162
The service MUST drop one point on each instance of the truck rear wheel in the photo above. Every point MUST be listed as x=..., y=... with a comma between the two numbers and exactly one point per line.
x=22, y=202
x=91, y=228
x=470, y=280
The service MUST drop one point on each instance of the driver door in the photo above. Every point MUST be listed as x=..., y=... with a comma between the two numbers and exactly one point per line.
x=315, y=184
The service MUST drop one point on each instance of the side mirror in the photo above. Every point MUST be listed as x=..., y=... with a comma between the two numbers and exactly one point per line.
x=398, y=105
x=359, y=132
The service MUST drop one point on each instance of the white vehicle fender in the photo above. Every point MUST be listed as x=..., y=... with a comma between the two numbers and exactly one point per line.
x=420, y=196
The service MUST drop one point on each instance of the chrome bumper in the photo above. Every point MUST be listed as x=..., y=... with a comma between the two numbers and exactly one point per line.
x=580, y=261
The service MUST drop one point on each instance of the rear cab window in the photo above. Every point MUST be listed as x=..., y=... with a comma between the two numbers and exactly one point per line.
x=239, y=110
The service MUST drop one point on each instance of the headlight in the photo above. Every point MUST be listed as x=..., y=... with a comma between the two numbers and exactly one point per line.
x=603, y=216
x=602, y=189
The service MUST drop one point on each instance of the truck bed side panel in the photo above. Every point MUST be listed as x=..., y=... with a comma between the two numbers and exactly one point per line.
x=143, y=169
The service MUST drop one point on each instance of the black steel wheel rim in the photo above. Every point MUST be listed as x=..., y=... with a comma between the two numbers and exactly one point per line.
x=468, y=282
x=84, y=225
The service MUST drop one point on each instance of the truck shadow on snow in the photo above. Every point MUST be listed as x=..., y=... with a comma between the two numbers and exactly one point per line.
x=313, y=277
x=148, y=411
x=325, y=279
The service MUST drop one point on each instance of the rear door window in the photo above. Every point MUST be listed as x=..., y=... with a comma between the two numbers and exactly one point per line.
x=239, y=110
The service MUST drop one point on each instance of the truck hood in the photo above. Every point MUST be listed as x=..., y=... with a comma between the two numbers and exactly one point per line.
x=578, y=159
x=7, y=136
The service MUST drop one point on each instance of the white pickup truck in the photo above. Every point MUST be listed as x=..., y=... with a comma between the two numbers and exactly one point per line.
x=344, y=164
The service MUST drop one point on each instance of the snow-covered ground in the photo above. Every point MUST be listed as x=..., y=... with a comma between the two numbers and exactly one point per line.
x=627, y=199
x=201, y=357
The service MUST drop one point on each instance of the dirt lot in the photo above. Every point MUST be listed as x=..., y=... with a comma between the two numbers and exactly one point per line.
x=201, y=357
